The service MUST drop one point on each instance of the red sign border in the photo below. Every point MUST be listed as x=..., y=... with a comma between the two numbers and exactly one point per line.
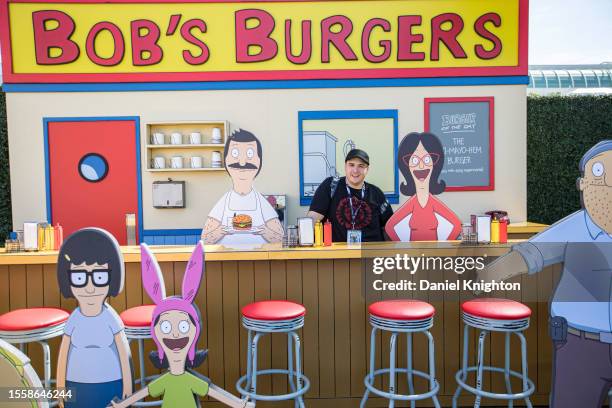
x=368, y=73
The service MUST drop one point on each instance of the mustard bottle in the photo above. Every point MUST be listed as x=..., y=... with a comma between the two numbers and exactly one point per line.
x=318, y=230
x=495, y=231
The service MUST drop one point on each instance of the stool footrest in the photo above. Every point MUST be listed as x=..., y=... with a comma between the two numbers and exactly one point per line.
x=521, y=395
x=259, y=397
x=369, y=380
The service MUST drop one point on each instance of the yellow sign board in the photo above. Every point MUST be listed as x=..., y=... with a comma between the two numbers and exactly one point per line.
x=151, y=41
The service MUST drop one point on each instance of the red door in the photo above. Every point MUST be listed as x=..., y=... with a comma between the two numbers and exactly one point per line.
x=93, y=174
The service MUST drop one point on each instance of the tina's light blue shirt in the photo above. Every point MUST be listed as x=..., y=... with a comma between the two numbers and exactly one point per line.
x=584, y=293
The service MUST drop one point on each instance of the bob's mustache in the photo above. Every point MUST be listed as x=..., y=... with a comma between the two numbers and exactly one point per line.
x=247, y=166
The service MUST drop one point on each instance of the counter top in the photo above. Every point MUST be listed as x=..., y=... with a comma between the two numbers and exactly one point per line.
x=276, y=252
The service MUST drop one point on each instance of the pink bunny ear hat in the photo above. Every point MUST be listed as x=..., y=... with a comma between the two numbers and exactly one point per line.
x=153, y=283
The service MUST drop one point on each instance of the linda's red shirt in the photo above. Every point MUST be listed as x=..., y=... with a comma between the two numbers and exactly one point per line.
x=423, y=221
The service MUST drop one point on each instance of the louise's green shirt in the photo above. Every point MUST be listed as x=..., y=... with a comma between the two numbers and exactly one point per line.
x=178, y=390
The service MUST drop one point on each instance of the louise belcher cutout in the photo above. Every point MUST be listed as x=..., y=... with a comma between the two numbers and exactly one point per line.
x=423, y=217
x=175, y=329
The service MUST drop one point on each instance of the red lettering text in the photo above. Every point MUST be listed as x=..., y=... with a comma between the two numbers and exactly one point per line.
x=306, y=51
x=405, y=39
x=145, y=43
x=337, y=39
x=448, y=37
x=191, y=39
x=258, y=36
x=58, y=38
x=481, y=30
x=384, y=44
x=119, y=44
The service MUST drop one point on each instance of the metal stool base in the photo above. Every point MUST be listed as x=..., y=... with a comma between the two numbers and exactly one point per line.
x=369, y=383
x=396, y=327
x=282, y=397
x=508, y=327
x=140, y=335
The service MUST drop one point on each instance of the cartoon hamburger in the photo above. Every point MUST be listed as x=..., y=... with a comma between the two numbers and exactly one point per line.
x=242, y=222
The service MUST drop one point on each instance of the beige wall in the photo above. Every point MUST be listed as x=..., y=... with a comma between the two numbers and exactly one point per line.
x=272, y=116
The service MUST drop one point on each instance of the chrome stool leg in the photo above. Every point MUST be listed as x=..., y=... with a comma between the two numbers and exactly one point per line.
x=507, y=369
x=464, y=365
x=432, y=368
x=524, y=366
x=480, y=363
x=409, y=375
x=392, y=345
x=371, y=373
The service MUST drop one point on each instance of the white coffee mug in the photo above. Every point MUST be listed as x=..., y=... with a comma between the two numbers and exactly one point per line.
x=158, y=138
x=177, y=162
x=216, y=159
x=216, y=135
x=196, y=162
x=195, y=138
x=159, y=162
x=176, y=138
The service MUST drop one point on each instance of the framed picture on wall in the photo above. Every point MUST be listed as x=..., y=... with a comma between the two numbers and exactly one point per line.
x=465, y=126
x=325, y=137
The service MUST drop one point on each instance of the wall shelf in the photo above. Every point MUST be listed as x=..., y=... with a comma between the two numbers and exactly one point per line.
x=168, y=150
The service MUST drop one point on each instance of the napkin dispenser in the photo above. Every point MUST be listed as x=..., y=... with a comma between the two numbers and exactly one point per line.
x=481, y=224
x=306, y=231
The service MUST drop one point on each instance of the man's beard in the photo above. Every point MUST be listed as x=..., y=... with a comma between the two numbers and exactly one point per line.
x=598, y=202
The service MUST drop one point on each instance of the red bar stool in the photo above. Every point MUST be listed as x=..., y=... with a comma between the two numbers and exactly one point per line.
x=274, y=316
x=494, y=315
x=401, y=316
x=35, y=324
x=137, y=323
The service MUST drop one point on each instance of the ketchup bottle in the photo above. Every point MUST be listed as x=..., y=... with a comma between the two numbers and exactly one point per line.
x=327, y=233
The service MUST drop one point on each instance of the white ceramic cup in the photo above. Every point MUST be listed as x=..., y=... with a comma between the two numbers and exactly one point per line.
x=159, y=162
x=177, y=162
x=216, y=159
x=158, y=138
x=216, y=135
x=196, y=162
x=195, y=138
x=176, y=138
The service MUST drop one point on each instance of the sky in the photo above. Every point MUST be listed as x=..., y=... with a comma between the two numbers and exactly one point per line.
x=567, y=32
x=570, y=32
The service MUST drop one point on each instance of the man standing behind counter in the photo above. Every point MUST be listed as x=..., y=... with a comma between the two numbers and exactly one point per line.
x=357, y=210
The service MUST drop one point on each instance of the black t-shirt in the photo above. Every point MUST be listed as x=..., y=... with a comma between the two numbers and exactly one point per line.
x=374, y=211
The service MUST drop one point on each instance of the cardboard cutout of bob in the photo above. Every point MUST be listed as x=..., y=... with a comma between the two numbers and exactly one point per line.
x=423, y=217
x=242, y=215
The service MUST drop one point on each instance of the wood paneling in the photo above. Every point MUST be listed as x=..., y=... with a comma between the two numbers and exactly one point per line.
x=335, y=338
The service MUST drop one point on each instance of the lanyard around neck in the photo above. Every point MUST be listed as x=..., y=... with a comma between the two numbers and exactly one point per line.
x=350, y=200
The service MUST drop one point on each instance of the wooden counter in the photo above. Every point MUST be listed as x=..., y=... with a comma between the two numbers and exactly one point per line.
x=330, y=282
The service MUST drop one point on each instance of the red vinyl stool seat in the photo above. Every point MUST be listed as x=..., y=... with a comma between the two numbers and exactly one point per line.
x=32, y=319
x=34, y=325
x=139, y=316
x=272, y=310
x=402, y=309
x=499, y=309
x=493, y=315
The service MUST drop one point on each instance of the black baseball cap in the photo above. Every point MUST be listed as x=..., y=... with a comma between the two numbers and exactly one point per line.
x=358, y=154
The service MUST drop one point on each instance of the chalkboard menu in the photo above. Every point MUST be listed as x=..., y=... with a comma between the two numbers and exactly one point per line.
x=465, y=128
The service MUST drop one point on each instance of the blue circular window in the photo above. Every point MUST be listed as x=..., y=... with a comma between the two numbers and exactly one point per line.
x=93, y=167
